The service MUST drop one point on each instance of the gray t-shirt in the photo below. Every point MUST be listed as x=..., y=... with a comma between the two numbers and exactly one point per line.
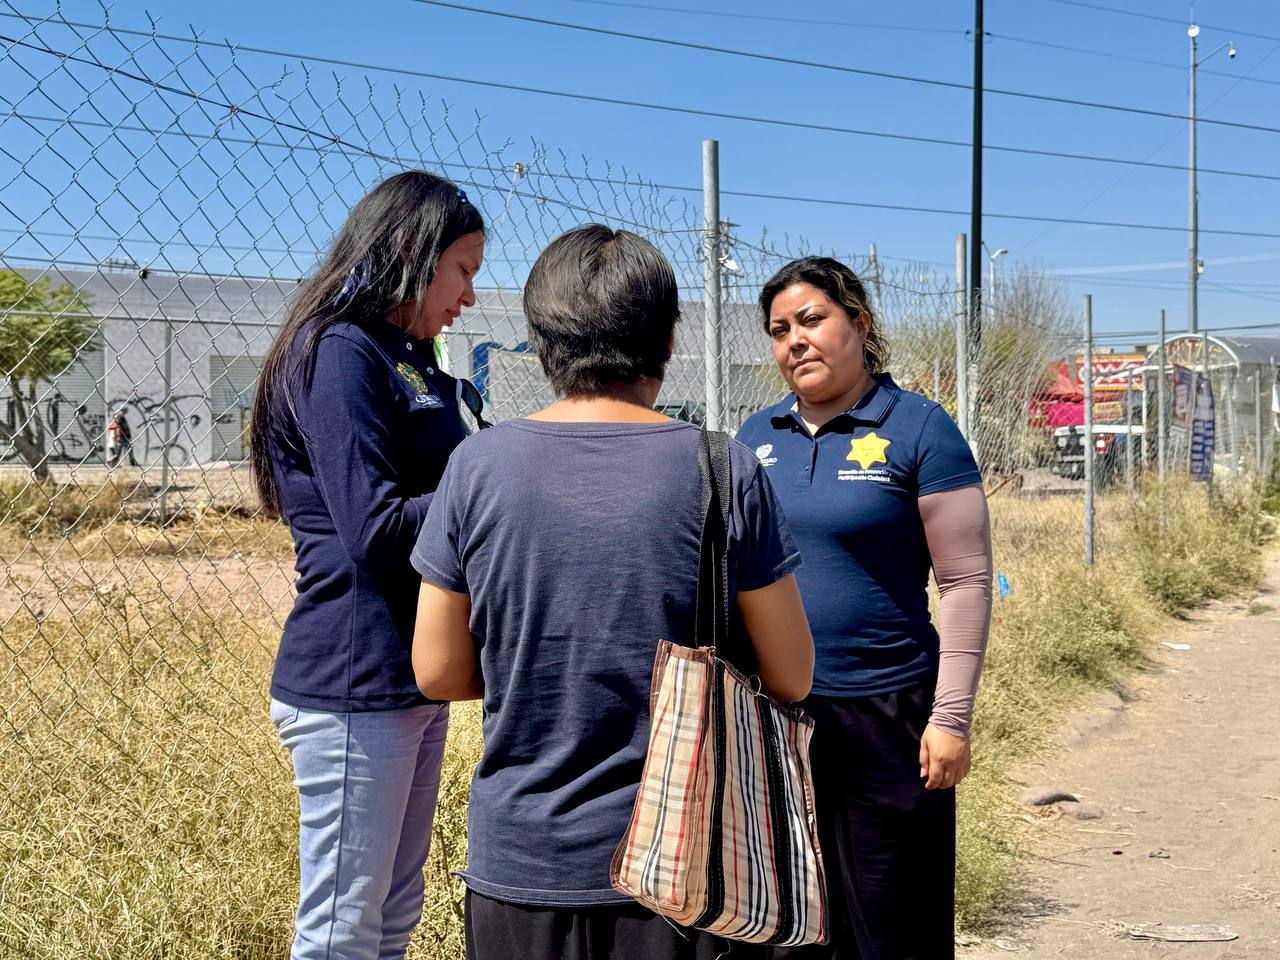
x=578, y=543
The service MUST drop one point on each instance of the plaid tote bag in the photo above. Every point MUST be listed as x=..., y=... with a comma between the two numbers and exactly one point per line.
x=723, y=835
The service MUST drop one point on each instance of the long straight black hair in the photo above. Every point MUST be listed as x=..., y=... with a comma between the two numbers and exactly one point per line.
x=384, y=256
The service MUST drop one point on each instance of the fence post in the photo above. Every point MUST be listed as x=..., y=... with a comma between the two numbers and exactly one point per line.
x=1089, y=448
x=962, y=338
x=1229, y=391
x=1273, y=425
x=1162, y=421
x=1128, y=431
x=1145, y=460
x=104, y=441
x=1255, y=384
x=168, y=422
x=711, y=280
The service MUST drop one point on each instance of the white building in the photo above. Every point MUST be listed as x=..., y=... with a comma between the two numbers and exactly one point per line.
x=180, y=354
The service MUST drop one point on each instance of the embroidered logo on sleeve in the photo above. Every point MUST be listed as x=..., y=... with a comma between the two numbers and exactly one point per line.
x=412, y=377
x=422, y=393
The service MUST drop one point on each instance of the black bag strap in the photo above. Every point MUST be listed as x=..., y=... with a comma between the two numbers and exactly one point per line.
x=712, y=610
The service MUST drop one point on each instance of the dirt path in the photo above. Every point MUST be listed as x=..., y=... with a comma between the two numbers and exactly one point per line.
x=1186, y=770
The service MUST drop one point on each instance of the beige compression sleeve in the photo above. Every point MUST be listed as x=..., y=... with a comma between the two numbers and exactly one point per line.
x=958, y=532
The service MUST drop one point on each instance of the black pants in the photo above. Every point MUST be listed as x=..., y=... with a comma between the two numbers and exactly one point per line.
x=887, y=843
x=500, y=930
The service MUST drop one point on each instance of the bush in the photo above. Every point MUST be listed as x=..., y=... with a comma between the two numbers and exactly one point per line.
x=1201, y=551
x=1175, y=585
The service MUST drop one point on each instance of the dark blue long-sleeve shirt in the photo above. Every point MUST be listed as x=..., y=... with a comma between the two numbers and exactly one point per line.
x=356, y=469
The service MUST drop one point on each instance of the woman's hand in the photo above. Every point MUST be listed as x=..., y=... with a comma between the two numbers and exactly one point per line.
x=944, y=758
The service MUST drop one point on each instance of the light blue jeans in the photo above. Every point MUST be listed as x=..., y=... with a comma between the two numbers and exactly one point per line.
x=367, y=786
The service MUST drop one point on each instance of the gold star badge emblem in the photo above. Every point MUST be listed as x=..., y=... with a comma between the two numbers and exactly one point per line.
x=868, y=450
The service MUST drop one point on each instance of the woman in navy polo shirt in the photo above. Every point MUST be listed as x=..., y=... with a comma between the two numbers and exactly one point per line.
x=879, y=487
x=352, y=426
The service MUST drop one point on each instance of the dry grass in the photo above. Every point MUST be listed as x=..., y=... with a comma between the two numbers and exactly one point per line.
x=54, y=509
x=148, y=810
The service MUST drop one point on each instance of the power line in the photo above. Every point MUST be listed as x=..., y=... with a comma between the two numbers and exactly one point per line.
x=965, y=213
x=1240, y=293
x=1247, y=326
x=762, y=17
x=687, y=111
x=1124, y=176
x=745, y=194
x=1159, y=265
x=905, y=28
x=1157, y=17
x=1166, y=64
x=841, y=68
x=328, y=138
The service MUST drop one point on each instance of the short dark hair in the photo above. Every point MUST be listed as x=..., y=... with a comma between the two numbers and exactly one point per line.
x=842, y=286
x=602, y=305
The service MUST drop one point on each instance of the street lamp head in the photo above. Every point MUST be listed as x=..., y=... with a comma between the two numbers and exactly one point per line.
x=1001, y=252
x=1193, y=31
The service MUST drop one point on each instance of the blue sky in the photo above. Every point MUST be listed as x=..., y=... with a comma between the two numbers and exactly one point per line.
x=928, y=40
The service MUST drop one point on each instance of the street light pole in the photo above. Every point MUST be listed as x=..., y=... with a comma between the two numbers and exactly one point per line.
x=991, y=262
x=1193, y=201
x=1193, y=192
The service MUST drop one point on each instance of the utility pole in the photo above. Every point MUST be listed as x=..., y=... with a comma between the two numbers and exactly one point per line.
x=975, y=241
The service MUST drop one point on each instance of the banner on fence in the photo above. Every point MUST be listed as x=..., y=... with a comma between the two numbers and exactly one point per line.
x=1184, y=381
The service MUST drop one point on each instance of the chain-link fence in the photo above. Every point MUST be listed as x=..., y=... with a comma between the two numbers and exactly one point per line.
x=160, y=199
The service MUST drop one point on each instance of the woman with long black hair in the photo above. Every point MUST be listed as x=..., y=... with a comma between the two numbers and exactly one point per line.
x=353, y=423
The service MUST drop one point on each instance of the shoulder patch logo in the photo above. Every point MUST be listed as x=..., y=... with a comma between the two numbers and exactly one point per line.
x=412, y=377
x=764, y=453
x=868, y=450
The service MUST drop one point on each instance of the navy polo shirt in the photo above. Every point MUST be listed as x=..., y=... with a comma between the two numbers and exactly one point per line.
x=850, y=493
x=356, y=461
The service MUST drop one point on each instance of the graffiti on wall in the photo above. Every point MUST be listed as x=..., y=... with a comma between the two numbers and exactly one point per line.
x=75, y=430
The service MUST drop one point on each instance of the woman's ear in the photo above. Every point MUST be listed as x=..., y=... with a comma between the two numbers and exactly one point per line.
x=863, y=324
